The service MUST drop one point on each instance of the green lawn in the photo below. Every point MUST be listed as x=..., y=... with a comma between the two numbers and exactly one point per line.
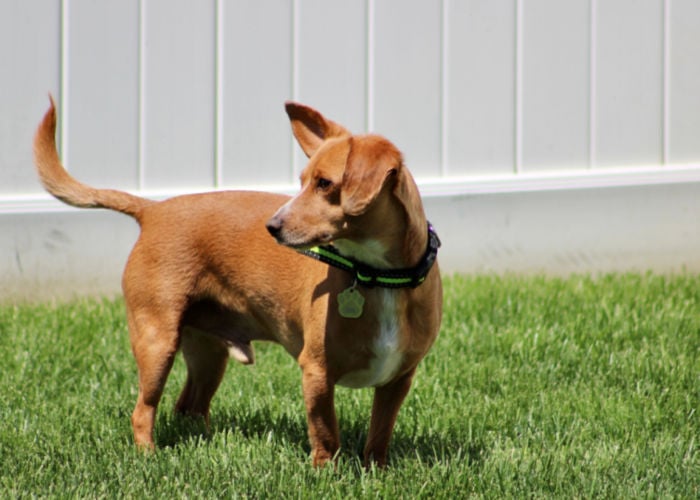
x=577, y=387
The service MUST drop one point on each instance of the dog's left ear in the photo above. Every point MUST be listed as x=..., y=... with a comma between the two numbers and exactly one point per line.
x=371, y=161
x=311, y=128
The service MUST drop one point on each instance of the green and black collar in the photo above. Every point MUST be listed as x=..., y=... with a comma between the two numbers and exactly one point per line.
x=386, y=278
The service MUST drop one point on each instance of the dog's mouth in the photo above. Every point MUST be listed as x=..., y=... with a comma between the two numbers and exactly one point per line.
x=297, y=241
x=305, y=244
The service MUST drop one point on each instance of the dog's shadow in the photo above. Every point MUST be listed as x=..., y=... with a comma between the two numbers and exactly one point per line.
x=261, y=424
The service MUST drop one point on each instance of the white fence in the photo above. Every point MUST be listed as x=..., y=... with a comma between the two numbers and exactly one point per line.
x=501, y=108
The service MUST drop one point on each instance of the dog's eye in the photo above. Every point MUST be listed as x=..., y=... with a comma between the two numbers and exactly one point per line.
x=323, y=184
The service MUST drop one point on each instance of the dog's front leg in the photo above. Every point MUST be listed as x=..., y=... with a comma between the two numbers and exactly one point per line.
x=385, y=408
x=320, y=414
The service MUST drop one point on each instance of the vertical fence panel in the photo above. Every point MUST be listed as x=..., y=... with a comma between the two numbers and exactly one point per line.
x=332, y=59
x=102, y=94
x=555, y=84
x=407, y=79
x=684, y=82
x=179, y=93
x=30, y=62
x=629, y=83
x=257, y=79
x=332, y=54
x=481, y=87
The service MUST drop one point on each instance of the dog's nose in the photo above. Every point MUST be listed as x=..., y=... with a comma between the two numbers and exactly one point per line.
x=274, y=226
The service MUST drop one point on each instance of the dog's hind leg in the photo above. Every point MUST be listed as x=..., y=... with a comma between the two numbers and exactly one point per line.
x=206, y=358
x=154, y=341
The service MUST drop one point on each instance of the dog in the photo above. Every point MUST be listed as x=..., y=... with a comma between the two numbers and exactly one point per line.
x=343, y=275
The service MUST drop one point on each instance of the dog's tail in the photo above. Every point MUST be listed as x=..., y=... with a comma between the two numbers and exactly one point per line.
x=67, y=189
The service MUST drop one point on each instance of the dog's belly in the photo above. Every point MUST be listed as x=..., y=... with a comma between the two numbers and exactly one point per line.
x=387, y=355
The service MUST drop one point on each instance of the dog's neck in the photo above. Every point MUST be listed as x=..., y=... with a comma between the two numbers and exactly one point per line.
x=414, y=234
x=415, y=240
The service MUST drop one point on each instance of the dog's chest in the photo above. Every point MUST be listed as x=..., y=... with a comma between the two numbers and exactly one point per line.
x=385, y=348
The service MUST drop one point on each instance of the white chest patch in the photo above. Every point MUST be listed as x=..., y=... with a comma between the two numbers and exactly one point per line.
x=387, y=356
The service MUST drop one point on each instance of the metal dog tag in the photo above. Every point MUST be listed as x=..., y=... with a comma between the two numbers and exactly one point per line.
x=350, y=303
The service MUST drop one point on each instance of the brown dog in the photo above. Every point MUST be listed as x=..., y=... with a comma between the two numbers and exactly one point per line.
x=206, y=277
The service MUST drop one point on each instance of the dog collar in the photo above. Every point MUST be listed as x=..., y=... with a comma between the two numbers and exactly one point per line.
x=386, y=278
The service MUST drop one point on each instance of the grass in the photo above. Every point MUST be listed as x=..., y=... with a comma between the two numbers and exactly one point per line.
x=536, y=387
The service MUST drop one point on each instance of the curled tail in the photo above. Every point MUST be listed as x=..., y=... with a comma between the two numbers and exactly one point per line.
x=67, y=189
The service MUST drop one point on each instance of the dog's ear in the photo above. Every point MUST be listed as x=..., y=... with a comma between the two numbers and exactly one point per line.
x=371, y=161
x=310, y=127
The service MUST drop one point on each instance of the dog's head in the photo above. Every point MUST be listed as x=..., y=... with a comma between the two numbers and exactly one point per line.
x=355, y=191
